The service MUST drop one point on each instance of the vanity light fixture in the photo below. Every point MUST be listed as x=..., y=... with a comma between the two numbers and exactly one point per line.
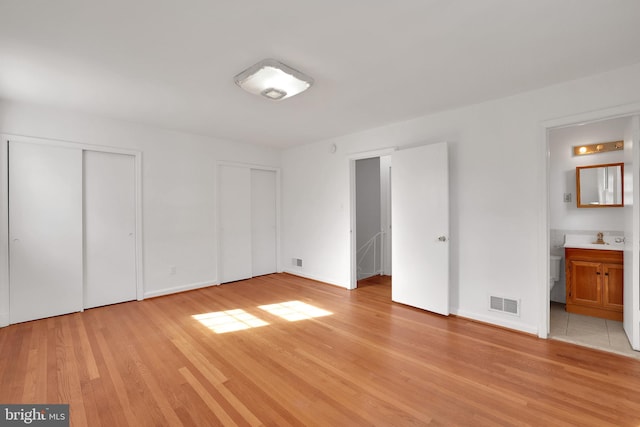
x=273, y=80
x=602, y=147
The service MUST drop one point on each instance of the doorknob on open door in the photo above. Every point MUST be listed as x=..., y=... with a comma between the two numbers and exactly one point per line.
x=442, y=238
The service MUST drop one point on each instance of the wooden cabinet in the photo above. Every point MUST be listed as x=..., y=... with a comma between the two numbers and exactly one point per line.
x=594, y=282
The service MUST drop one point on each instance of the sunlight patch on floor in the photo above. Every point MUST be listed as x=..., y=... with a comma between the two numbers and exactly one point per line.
x=294, y=310
x=229, y=320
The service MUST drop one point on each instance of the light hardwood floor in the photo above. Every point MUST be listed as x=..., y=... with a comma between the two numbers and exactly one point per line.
x=369, y=362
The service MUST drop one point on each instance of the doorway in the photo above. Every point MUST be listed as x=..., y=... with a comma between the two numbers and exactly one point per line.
x=566, y=219
x=372, y=226
x=419, y=213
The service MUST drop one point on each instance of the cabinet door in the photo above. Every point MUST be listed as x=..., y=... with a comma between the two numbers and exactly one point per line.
x=613, y=286
x=585, y=279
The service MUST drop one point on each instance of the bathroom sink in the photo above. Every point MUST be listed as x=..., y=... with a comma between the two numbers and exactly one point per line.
x=586, y=241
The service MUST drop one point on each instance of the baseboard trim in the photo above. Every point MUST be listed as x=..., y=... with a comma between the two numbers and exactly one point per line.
x=183, y=288
x=316, y=278
x=492, y=321
x=4, y=320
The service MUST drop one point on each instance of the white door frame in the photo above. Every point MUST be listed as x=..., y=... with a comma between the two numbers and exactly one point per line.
x=216, y=190
x=4, y=211
x=543, y=249
x=353, y=281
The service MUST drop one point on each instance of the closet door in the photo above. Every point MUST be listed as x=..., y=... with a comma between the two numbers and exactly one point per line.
x=263, y=222
x=110, y=225
x=235, y=223
x=45, y=232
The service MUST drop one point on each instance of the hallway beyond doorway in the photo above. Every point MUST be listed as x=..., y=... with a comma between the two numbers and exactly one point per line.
x=380, y=280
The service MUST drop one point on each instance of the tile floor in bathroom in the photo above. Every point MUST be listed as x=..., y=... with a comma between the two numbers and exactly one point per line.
x=594, y=332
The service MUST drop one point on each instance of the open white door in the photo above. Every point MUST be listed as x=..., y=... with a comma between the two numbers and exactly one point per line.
x=631, y=292
x=420, y=223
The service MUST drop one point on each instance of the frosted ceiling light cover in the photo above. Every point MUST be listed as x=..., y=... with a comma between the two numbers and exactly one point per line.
x=273, y=80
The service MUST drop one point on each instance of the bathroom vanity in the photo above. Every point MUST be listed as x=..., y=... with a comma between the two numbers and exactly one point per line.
x=594, y=274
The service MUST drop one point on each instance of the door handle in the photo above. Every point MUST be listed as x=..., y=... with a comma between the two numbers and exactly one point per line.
x=442, y=238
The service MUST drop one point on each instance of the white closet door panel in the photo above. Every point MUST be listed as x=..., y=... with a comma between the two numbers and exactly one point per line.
x=110, y=228
x=263, y=222
x=45, y=235
x=235, y=223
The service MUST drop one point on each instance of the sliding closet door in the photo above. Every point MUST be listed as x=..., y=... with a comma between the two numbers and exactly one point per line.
x=235, y=223
x=263, y=222
x=45, y=232
x=110, y=225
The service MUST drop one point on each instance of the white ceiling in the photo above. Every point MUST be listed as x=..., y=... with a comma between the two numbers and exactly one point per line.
x=171, y=63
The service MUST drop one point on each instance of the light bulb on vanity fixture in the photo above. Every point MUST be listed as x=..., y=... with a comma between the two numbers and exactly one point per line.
x=601, y=147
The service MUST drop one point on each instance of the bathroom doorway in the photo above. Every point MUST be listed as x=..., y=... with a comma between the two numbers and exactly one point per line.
x=620, y=224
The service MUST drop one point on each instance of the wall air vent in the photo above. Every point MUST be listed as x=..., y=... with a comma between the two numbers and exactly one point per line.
x=504, y=305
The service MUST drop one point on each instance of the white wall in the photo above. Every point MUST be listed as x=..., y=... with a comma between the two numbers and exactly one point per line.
x=497, y=183
x=562, y=175
x=178, y=187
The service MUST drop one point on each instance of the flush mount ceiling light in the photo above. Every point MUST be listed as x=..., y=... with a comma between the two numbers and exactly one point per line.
x=602, y=147
x=273, y=80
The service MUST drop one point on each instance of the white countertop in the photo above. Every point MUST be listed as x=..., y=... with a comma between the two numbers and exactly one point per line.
x=585, y=241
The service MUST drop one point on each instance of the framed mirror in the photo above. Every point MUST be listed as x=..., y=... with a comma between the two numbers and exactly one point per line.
x=600, y=186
